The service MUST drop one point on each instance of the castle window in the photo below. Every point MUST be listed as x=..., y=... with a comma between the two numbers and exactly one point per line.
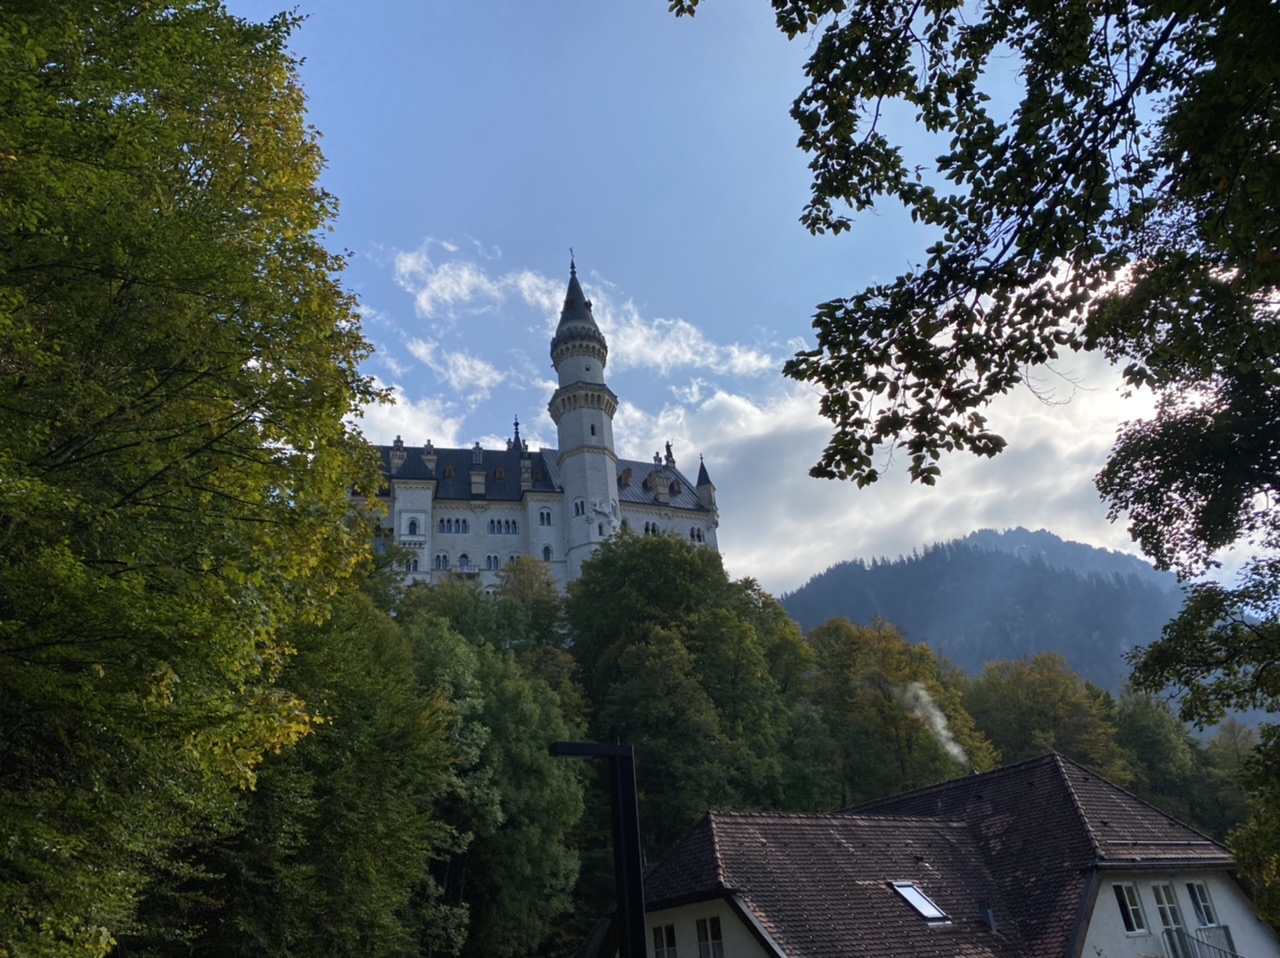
x=544, y=517
x=546, y=553
x=512, y=557
x=448, y=472
x=675, y=487
x=537, y=474
x=625, y=478
x=413, y=565
x=465, y=526
x=500, y=473
x=625, y=523
x=579, y=507
x=441, y=528
x=413, y=527
x=442, y=560
x=599, y=528
x=491, y=561
x=613, y=507
x=593, y=429
x=464, y=561
x=492, y=524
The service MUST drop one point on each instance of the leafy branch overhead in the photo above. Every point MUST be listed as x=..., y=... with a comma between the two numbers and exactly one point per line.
x=1109, y=183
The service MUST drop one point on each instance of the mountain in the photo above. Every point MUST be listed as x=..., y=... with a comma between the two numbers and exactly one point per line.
x=1004, y=595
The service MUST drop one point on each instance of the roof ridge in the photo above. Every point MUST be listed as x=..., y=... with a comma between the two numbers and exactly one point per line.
x=951, y=782
x=1095, y=842
x=1063, y=761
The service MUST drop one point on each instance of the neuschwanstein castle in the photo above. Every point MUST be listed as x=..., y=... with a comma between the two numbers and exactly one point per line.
x=467, y=512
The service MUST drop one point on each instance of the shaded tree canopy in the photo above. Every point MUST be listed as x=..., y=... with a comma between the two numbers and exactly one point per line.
x=177, y=360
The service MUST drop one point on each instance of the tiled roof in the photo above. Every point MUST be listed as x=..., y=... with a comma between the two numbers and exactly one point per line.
x=1042, y=825
x=820, y=884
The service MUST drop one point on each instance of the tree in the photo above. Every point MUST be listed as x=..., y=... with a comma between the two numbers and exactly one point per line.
x=1030, y=706
x=507, y=880
x=177, y=360
x=887, y=720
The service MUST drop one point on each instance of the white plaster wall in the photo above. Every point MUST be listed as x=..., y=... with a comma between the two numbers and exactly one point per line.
x=1106, y=936
x=739, y=942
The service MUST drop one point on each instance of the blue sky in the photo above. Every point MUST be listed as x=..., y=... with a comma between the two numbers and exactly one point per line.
x=472, y=144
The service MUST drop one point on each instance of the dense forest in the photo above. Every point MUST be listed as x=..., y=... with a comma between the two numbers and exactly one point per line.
x=1005, y=595
x=423, y=815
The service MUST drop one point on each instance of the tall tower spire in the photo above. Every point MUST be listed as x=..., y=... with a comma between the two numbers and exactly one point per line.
x=582, y=409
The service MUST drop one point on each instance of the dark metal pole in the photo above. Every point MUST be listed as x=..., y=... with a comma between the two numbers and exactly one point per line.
x=628, y=861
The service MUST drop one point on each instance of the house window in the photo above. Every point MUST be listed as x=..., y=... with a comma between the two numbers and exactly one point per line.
x=921, y=902
x=1130, y=908
x=544, y=517
x=413, y=527
x=664, y=941
x=710, y=941
x=1170, y=919
x=1201, y=904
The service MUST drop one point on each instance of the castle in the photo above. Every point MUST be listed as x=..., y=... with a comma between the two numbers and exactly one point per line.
x=467, y=512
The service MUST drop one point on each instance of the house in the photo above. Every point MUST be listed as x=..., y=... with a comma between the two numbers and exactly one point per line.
x=1043, y=859
x=467, y=512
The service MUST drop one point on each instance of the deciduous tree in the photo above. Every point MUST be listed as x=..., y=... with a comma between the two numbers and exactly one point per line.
x=177, y=361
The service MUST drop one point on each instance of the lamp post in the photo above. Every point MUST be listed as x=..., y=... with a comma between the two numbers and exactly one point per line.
x=628, y=867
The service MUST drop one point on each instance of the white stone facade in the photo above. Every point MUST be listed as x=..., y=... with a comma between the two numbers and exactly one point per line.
x=468, y=512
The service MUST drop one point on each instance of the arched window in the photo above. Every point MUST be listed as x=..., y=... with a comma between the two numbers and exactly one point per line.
x=490, y=527
x=599, y=528
x=491, y=561
x=693, y=534
x=626, y=524
x=546, y=553
x=464, y=526
x=544, y=517
x=448, y=472
x=499, y=473
x=515, y=527
x=464, y=561
x=442, y=560
x=441, y=528
x=512, y=557
x=593, y=429
x=613, y=507
x=413, y=527
x=413, y=565
x=579, y=507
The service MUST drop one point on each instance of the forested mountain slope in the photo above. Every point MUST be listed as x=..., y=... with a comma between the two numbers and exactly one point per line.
x=1004, y=595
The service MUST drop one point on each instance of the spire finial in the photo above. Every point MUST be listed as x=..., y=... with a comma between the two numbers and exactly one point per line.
x=573, y=268
x=517, y=437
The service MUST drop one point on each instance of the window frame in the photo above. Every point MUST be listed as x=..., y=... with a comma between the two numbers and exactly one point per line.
x=710, y=937
x=925, y=907
x=1205, y=911
x=664, y=941
x=1129, y=901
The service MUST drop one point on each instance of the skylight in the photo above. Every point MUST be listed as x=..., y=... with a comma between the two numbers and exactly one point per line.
x=921, y=902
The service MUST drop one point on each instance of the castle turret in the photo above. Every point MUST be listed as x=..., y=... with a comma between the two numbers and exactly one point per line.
x=582, y=409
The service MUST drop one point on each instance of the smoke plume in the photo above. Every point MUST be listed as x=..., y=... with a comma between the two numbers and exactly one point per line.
x=916, y=700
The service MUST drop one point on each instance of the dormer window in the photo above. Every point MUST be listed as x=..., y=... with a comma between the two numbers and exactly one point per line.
x=448, y=472
x=922, y=903
x=500, y=473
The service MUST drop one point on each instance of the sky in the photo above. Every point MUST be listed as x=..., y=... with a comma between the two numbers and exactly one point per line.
x=471, y=145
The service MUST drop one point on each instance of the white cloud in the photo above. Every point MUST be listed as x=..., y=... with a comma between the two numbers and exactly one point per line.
x=437, y=289
x=417, y=421
x=470, y=374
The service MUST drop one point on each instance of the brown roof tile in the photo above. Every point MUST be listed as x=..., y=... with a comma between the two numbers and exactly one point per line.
x=820, y=884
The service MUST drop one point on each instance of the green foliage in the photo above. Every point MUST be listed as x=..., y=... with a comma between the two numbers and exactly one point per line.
x=888, y=722
x=1030, y=706
x=507, y=879
x=328, y=851
x=176, y=363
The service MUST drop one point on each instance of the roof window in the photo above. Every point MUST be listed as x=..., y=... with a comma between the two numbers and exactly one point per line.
x=921, y=902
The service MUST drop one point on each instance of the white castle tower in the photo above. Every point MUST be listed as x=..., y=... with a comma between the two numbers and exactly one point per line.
x=582, y=409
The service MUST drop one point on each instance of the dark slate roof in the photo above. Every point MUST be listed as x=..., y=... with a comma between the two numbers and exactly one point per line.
x=703, y=478
x=820, y=884
x=458, y=486
x=545, y=465
x=1042, y=826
